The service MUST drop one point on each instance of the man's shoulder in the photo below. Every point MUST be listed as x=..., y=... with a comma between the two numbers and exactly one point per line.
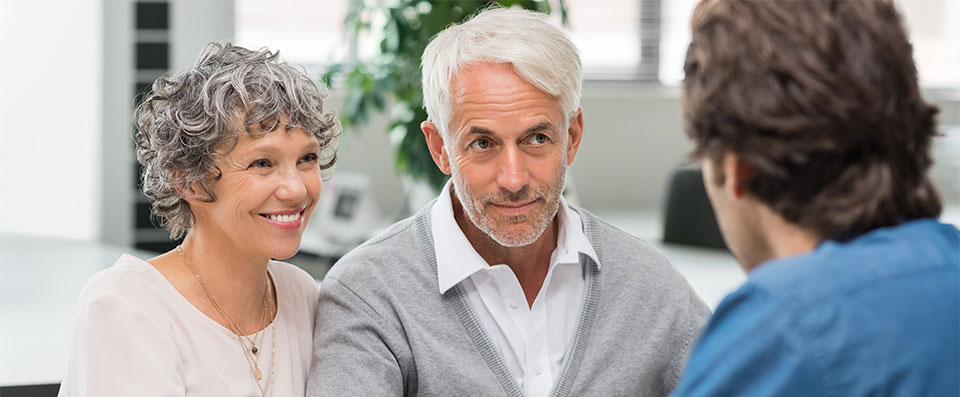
x=393, y=255
x=887, y=293
x=617, y=246
x=632, y=266
x=896, y=257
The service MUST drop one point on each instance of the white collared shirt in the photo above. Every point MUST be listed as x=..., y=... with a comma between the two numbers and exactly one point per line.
x=532, y=339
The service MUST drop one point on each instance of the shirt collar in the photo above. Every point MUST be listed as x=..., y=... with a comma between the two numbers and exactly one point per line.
x=458, y=260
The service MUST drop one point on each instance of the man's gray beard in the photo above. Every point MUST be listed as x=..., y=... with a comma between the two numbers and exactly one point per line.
x=488, y=226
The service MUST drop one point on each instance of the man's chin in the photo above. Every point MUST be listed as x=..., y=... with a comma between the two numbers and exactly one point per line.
x=519, y=238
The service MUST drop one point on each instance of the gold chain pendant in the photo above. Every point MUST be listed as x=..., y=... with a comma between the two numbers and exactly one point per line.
x=257, y=374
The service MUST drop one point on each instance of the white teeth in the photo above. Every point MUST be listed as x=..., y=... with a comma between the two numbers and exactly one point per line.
x=285, y=218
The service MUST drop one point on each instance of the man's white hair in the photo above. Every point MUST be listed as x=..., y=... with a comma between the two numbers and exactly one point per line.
x=539, y=50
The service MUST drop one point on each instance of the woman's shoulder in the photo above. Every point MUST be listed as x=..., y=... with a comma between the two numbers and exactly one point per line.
x=130, y=279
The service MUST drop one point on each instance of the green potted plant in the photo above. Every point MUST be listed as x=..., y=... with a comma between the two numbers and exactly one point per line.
x=392, y=74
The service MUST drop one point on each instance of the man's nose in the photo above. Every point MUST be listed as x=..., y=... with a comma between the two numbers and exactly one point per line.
x=513, y=175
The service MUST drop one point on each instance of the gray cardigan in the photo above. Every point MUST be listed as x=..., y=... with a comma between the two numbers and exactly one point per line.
x=383, y=329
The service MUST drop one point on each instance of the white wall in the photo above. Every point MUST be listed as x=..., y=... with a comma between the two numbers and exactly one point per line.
x=194, y=24
x=50, y=106
x=117, y=143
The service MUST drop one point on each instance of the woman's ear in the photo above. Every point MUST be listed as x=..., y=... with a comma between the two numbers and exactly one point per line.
x=193, y=193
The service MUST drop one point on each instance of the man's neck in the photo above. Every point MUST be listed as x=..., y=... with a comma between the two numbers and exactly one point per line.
x=783, y=238
x=529, y=263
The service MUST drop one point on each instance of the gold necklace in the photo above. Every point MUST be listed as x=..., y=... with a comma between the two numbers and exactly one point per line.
x=254, y=362
x=258, y=337
x=235, y=328
x=273, y=359
x=251, y=361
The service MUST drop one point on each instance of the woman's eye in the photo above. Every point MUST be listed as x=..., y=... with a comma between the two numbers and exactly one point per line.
x=539, y=139
x=261, y=163
x=481, y=144
x=310, y=158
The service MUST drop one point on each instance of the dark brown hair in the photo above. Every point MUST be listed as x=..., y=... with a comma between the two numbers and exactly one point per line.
x=821, y=99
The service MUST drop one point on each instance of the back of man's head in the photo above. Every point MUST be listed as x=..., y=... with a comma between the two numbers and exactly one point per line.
x=821, y=99
x=539, y=50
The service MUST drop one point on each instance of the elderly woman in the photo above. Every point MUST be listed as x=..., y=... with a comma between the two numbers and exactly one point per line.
x=232, y=151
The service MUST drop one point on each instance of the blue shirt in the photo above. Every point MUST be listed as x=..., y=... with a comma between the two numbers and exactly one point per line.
x=877, y=315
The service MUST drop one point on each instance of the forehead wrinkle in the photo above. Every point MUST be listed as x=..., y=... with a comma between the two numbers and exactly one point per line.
x=482, y=97
x=464, y=88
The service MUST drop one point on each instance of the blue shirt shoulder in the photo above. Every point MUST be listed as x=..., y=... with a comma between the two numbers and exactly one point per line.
x=879, y=314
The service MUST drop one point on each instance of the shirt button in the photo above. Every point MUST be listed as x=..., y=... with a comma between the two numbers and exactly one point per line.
x=537, y=370
x=514, y=303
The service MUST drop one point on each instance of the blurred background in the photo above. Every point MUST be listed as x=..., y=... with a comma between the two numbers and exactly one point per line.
x=71, y=72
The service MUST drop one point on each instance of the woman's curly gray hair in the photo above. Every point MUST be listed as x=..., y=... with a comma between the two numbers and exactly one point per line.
x=194, y=115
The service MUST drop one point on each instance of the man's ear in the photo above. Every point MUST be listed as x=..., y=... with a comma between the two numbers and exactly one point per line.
x=737, y=174
x=574, y=135
x=435, y=143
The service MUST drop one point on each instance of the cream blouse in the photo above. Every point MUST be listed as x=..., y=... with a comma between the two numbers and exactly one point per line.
x=137, y=336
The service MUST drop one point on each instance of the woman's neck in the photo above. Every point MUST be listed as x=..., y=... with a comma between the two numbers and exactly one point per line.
x=235, y=279
x=225, y=268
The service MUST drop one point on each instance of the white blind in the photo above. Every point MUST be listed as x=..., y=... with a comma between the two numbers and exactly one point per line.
x=933, y=27
x=307, y=32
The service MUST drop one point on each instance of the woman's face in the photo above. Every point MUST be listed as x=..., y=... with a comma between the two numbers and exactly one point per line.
x=268, y=189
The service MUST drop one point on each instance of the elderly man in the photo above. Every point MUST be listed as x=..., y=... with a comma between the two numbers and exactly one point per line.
x=815, y=145
x=499, y=287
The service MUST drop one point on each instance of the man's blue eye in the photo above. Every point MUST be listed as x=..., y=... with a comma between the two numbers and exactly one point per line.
x=481, y=143
x=539, y=139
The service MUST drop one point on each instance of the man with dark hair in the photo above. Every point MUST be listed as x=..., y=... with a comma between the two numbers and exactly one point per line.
x=815, y=143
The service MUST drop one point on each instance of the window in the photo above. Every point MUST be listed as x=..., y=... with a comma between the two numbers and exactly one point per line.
x=933, y=28
x=607, y=32
x=610, y=39
x=931, y=25
x=674, y=38
x=618, y=39
x=306, y=32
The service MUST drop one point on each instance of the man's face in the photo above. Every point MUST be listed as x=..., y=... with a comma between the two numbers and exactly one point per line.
x=508, y=148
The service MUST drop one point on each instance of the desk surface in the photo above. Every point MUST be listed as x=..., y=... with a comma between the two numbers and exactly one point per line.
x=40, y=281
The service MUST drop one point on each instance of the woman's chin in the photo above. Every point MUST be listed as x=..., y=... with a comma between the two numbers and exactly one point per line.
x=284, y=252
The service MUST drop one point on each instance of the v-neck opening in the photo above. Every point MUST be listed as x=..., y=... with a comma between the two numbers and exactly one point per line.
x=493, y=357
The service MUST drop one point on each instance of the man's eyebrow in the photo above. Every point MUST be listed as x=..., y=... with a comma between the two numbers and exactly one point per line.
x=480, y=130
x=541, y=127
